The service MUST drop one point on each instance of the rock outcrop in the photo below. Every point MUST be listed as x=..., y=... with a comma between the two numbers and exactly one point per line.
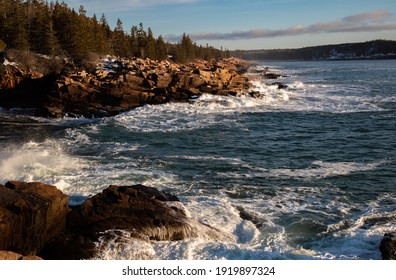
x=145, y=213
x=119, y=85
x=30, y=215
x=388, y=247
x=36, y=220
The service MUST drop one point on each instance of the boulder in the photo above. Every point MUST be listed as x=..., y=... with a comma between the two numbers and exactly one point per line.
x=145, y=213
x=30, y=215
x=388, y=247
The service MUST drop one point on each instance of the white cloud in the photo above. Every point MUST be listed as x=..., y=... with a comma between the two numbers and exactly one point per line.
x=370, y=16
x=363, y=22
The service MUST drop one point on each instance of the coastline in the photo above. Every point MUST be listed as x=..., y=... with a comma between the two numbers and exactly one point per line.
x=227, y=97
x=115, y=85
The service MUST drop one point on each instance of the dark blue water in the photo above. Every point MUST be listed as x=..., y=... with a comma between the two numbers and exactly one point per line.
x=301, y=173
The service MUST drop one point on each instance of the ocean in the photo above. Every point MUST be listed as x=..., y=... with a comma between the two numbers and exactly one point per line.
x=306, y=172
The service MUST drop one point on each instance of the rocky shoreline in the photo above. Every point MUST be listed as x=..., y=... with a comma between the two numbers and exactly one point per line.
x=35, y=219
x=36, y=222
x=116, y=85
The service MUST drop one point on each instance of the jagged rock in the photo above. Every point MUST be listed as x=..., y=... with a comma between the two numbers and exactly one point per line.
x=30, y=215
x=388, y=247
x=146, y=213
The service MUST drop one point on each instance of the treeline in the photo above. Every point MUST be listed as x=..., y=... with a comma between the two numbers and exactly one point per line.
x=56, y=29
x=375, y=49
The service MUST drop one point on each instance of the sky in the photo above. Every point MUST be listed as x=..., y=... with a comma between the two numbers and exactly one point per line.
x=253, y=24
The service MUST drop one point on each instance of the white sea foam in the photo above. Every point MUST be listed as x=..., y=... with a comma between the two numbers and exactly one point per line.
x=271, y=241
x=322, y=169
x=318, y=170
x=119, y=245
x=37, y=161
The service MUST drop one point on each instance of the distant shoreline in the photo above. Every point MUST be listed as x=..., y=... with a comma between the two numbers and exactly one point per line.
x=371, y=50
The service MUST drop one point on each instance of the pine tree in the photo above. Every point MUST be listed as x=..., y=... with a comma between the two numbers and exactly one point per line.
x=65, y=26
x=100, y=40
x=185, y=49
x=134, y=41
x=58, y=29
x=161, y=48
x=120, y=42
x=105, y=27
x=151, y=50
x=142, y=40
x=13, y=24
x=41, y=33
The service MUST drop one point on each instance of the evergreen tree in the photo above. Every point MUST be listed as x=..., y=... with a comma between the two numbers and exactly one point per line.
x=86, y=36
x=100, y=40
x=142, y=40
x=134, y=41
x=41, y=33
x=151, y=49
x=120, y=42
x=65, y=26
x=105, y=27
x=58, y=29
x=13, y=24
x=161, y=48
x=188, y=47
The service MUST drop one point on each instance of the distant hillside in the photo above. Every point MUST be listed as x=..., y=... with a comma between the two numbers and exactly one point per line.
x=378, y=49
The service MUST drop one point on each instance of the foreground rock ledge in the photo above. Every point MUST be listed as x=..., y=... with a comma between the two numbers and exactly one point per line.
x=145, y=213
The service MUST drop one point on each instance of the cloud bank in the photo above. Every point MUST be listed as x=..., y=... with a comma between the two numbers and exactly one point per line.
x=372, y=21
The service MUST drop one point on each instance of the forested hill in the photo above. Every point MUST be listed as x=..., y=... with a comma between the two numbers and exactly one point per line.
x=56, y=29
x=378, y=49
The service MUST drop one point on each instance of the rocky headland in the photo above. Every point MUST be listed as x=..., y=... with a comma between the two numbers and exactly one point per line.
x=114, y=85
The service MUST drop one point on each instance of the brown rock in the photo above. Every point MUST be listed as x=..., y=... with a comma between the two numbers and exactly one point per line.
x=30, y=215
x=146, y=213
x=239, y=82
x=163, y=81
x=134, y=79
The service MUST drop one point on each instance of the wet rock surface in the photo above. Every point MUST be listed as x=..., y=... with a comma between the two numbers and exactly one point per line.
x=36, y=220
x=30, y=215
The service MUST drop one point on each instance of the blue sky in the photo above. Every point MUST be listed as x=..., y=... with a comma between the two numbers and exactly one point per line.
x=254, y=24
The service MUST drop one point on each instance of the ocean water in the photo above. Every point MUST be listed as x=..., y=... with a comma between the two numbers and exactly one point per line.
x=307, y=172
